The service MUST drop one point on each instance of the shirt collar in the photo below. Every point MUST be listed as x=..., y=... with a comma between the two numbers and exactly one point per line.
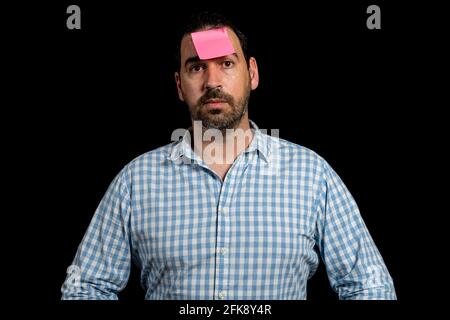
x=259, y=143
x=182, y=147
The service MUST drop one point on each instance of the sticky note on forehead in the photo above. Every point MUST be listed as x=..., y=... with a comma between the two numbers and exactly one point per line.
x=212, y=43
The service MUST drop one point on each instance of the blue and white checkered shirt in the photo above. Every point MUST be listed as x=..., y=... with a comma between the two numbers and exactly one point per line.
x=256, y=235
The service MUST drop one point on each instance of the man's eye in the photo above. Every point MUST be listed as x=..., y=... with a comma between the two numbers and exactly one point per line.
x=228, y=64
x=195, y=68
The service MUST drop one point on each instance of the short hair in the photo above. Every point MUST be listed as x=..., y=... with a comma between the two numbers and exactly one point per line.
x=208, y=20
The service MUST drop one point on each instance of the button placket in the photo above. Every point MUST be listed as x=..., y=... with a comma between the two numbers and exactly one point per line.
x=223, y=242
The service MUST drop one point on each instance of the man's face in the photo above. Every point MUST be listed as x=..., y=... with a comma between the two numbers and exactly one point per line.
x=216, y=90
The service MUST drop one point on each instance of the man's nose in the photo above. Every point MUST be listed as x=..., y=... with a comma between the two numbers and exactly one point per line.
x=212, y=77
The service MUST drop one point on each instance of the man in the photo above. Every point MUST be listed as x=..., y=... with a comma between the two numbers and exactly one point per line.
x=237, y=216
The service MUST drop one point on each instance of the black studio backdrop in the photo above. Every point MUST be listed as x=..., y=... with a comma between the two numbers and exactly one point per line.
x=100, y=96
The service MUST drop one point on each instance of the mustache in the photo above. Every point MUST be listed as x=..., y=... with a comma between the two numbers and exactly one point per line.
x=215, y=94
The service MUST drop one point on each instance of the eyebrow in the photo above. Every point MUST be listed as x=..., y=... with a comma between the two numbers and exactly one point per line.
x=191, y=59
x=197, y=59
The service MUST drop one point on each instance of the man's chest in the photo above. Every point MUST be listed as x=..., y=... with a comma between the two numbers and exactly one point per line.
x=189, y=220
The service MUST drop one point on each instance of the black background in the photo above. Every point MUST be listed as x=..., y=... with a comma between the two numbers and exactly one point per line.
x=98, y=97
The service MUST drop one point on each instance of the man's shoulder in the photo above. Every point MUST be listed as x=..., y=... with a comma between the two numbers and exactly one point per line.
x=153, y=158
x=291, y=151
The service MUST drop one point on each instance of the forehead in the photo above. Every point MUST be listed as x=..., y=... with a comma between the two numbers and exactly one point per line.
x=188, y=49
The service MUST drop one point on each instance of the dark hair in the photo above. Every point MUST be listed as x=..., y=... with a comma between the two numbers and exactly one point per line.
x=205, y=19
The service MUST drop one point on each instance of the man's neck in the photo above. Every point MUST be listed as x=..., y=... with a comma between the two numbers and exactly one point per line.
x=222, y=149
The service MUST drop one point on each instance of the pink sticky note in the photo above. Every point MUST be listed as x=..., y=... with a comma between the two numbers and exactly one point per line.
x=212, y=43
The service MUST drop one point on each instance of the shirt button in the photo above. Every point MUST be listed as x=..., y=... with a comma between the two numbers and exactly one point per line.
x=224, y=211
x=221, y=295
x=223, y=251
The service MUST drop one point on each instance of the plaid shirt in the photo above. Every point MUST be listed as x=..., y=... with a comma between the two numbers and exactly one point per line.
x=256, y=235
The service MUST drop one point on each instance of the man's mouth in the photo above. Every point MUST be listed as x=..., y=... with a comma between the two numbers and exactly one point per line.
x=215, y=103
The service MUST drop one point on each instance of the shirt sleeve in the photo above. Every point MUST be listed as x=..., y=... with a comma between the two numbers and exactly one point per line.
x=102, y=263
x=354, y=265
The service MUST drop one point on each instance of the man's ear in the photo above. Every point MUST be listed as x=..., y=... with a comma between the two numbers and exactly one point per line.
x=254, y=74
x=178, y=83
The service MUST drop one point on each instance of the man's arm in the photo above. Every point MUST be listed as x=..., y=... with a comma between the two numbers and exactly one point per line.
x=354, y=265
x=102, y=264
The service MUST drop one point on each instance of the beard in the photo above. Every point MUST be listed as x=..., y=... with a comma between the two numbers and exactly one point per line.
x=221, y=119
